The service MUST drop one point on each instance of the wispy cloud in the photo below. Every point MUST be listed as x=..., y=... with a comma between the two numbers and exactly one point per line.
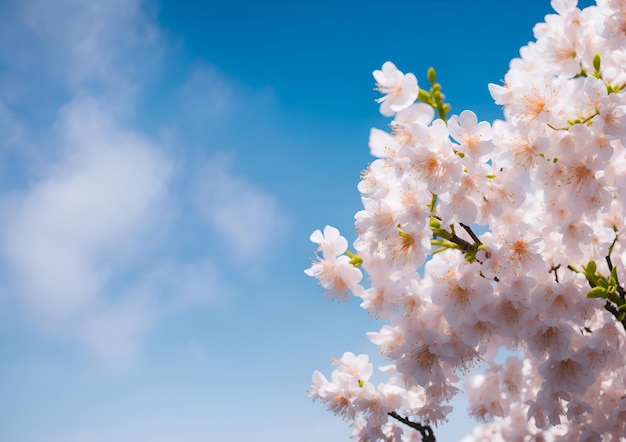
x=11, y=130
x=66, y=234
x=86, y=234
x=115, y=330
x=108, y=45
x=247, y=219
x=69, y=236
x=207, y=95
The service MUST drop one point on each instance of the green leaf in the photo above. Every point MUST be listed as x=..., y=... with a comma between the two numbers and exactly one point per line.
x=590, y=269
x=596, y=62
x=434, y=223
x=597, y=292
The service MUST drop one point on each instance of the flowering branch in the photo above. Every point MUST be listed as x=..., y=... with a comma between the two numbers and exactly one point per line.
x=453, y=241
x=545, y=198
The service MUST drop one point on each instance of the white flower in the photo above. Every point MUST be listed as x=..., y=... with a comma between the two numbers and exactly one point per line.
x=474, y=137
x=399, y=89
x=331, y=243
x=334, y=270
x=338, y=276
x=354, y=365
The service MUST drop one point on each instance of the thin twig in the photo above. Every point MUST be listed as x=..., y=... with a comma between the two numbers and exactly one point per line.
x=471, y=233
x=554, y=269
x=465, y=245
x=425, y=430
x=609, y=263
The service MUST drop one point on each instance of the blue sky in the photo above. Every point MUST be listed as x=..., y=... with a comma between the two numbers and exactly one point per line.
x=162, y=164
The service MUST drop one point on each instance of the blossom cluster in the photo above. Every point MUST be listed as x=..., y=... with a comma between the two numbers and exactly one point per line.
x=477, y=237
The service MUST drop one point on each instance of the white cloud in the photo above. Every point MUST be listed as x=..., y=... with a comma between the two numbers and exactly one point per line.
x=111, y=47
x=207, y=95
x=72, y=234
x=11, y=130
x=115, y=328
x=68, y=232
x=77, y=245
x=78, y=436
x=113, y=332
x=185, y=284
x=86, y=243
x=247, y=219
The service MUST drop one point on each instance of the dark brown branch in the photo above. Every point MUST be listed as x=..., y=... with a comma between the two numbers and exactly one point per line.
x=425, y=430
x=555, y=269
x=619, y=316
x=471, y=233
x=465, y=246
x=609, y=263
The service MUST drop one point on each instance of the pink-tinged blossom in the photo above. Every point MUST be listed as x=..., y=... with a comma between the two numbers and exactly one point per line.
x=433, y=159
x=334, y=270
x=420, y=113
x=618, y=417
x=612, y=115
x=375, y=179
x=565, y=300
x=615, y=24
x=474, y=138
x=567, y=374
x=354, y=365
x=559, y=44
x=461, y=296
x=576, y=237
x=340, y=394
x=331, y=243
x=461, y=204
x=389, y=339
x=434, y=413
x=382, y=145
x=523, y=248
x=547, y=336
x=523, y=146
x=576, y=411
x=338, y=276
x=537, y=413
x=484, y=397
x=504, y=194
x=399, y=89
x=318, y=388
x=530, y=99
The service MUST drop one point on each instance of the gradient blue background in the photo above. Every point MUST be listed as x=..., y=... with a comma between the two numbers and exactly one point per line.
x=180, y=311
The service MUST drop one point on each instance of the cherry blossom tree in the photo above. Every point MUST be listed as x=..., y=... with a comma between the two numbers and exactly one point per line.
x=476, y=237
